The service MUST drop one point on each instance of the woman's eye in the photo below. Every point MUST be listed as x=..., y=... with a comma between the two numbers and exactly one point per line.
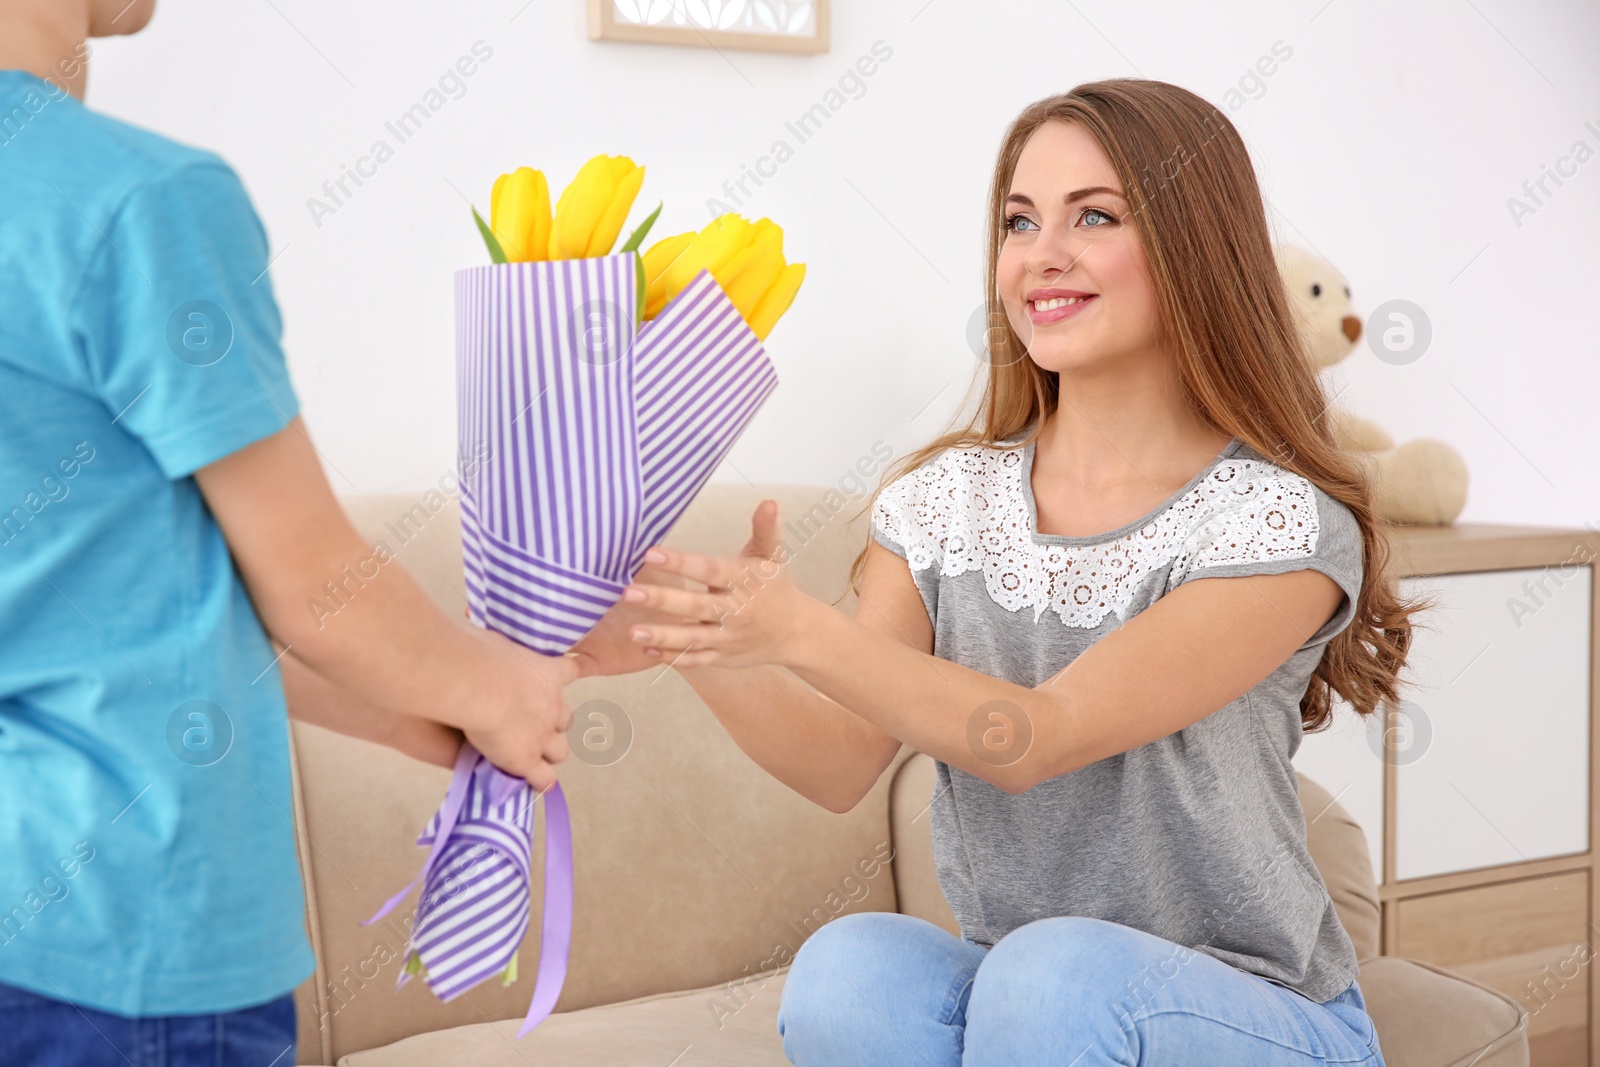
x=1012, y=221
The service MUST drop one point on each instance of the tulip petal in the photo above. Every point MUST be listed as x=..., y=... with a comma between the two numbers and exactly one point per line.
x=636, y=238
x=520, y=214
x=583, y=202
x=777, y=300
x=610, y=222
x=758, y=266
x=657, y=259
x=721, y=239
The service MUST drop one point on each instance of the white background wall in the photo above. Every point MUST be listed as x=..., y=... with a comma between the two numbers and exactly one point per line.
x=1390, y=141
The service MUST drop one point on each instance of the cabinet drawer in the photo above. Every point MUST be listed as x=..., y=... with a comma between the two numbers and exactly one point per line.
x=1495, y=764
x=1526, y=938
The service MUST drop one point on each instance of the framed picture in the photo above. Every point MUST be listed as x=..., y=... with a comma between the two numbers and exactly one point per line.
x=755, y=25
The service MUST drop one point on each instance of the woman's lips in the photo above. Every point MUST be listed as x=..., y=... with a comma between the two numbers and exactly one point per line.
x=1045, y=318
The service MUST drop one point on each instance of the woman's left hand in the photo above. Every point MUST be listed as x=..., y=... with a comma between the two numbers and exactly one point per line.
x=749, y=614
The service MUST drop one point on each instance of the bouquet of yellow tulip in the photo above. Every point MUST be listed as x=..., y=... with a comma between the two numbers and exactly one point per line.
x=596, y=393
x=745, y=258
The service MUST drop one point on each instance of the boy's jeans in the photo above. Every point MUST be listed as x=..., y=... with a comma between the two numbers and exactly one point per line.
x=38, y=1031
x=884, y=988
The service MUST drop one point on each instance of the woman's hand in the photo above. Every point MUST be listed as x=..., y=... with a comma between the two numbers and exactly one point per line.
x=607, y=649
x=749, y=614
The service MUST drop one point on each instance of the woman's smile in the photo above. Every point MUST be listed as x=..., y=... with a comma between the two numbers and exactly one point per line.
x=1055, y=305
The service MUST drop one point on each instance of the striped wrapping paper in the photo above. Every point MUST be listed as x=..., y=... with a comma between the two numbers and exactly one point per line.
x=597, y=438
x=594, y=438
x=472, y=912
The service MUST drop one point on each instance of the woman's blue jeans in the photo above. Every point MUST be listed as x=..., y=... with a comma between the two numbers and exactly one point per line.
x=38, y=1031
x=886, y=988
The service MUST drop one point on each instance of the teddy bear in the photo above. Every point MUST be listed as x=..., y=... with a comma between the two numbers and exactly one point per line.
x=1422, y=482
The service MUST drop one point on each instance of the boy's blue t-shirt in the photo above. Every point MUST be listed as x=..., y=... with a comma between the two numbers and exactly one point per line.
x=147, y=852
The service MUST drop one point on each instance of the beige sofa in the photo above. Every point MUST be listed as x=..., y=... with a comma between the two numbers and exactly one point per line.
x=697, y=875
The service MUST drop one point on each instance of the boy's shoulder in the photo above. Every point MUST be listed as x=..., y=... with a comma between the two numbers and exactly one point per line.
x=139, y=155
x=93, y=157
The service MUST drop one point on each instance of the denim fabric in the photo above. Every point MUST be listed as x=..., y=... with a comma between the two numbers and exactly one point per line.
x=885, y=988
x=37, y=1031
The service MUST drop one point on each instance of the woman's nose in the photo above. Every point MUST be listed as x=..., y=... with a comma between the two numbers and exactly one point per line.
x=1055, y=251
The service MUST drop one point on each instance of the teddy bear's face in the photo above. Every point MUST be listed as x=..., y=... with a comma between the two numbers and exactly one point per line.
x=1320, y=298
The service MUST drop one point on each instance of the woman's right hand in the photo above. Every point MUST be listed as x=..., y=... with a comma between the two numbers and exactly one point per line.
x=607, y=649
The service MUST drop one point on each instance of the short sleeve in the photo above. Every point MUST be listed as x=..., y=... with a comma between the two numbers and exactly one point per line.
x=1290, y=525
x=879, y=535
x=901, y=519
x=179, y=326
x=898, y=516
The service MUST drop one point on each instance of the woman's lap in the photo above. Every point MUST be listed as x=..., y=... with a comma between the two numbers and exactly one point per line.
x=879, y=988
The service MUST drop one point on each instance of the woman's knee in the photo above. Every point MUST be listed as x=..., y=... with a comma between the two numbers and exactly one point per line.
x=1053, y=964
x=851, y=947
x=876, y=987
x=859, y=962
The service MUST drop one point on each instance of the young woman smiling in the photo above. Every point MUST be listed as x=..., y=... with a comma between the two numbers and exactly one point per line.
x=1142, y=561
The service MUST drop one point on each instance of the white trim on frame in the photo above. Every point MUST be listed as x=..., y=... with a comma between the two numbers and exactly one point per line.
x=754, y=25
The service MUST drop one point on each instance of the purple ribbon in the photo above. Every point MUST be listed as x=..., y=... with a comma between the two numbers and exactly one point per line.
x=479, y=868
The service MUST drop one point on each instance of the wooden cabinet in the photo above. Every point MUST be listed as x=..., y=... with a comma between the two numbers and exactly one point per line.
x=1477, y=791
x=1527, y=937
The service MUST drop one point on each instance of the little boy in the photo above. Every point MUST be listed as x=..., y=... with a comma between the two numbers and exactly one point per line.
x=164, y=521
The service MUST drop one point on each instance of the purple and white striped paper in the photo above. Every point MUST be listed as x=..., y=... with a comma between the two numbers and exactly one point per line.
x=472, y=912
x=597, y=438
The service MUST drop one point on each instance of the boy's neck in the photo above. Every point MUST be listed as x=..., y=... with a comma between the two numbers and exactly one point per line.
x=49, y=41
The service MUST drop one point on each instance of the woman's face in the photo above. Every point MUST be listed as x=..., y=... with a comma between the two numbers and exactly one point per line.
x=1063, y=231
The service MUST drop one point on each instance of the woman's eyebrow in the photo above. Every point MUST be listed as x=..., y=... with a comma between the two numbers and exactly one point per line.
x=1078, y=194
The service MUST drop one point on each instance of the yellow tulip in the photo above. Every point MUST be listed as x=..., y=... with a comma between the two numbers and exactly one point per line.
x=657, y=258
x=593, y=207
x=744, y=258
x=748, y=275
x=519, y=214
x=776, y=300
x=711, y=248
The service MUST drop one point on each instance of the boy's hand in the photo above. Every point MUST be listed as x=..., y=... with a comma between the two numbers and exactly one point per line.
x=526, y=735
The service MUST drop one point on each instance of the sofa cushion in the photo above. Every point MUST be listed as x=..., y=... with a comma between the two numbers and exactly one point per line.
x=729, y=1025
x=1425, y=1016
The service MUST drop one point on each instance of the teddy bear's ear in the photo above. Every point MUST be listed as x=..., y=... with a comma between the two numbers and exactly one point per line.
x=1320, y=301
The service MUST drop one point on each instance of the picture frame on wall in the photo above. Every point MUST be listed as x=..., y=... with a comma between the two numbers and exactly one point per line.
x=798, y=26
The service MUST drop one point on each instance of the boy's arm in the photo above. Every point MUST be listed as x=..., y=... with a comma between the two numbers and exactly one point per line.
x=389, y=644
x=313, y=698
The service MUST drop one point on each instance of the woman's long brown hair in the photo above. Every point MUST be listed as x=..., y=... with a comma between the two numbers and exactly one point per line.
x=1225, y=315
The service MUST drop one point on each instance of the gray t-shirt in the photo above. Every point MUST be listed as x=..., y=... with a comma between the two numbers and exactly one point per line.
x=1197, y=837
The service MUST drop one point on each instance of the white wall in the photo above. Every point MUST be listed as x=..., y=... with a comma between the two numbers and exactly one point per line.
x=1390, y=141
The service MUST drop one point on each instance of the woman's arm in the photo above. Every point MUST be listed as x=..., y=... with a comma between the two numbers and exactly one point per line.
x=805, y=739
x=1194, y=651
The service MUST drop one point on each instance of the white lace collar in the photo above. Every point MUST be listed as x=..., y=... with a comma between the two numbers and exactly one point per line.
x=972, y=508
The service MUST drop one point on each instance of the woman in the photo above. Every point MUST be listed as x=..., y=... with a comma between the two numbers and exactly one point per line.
x=1116, y=822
